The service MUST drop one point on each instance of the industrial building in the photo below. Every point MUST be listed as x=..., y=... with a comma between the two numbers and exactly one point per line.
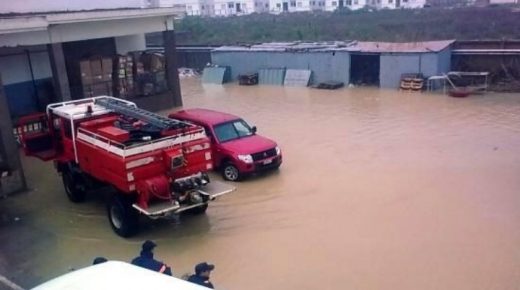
x=52, y=56
x=364, y=63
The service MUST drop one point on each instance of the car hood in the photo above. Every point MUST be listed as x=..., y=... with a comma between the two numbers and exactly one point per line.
x=249, y=145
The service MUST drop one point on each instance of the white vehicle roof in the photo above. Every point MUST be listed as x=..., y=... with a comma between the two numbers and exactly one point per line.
x=114, y=275
x=77, y=109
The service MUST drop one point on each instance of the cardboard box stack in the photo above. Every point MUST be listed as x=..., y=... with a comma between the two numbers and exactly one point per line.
x=150, y=74
x=96, y=77
x=125, y=76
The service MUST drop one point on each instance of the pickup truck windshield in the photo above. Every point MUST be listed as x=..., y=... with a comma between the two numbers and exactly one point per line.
x=232, y=130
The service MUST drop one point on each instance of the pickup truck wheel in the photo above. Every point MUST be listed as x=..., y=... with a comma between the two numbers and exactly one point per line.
x=123, y=218
x=230, y=172
x=73, y=187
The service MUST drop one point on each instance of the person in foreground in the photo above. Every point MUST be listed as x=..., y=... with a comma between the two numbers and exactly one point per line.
x=99, y=260
x=202, y=273
x=146, y=260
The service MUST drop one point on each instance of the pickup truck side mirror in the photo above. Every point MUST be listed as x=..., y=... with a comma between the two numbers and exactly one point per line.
x=253, y=129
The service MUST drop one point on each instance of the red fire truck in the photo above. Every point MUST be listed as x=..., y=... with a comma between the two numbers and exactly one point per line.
x=155, y=166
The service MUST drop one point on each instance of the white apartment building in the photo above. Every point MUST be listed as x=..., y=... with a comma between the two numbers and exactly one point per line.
x=233, y=7
x=396, y=4
x=262, y=6
x=217, y=8
x=331, y=5
x=280, y=6
x=189, y=7
x=222, y=8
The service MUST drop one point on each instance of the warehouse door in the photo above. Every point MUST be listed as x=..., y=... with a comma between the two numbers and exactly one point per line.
x=364, y=69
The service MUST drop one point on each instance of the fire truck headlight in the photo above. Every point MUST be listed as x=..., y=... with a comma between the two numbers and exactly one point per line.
x=245, y=158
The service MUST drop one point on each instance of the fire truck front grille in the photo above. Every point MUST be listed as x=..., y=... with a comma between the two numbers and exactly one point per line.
x=264, y=154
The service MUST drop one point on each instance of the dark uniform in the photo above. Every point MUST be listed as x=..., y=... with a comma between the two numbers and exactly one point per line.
x=201, y=276
x=147, y=261
x=203, y=281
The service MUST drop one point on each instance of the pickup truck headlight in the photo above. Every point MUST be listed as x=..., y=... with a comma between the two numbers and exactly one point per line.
x=278, y=150
x=245, y=158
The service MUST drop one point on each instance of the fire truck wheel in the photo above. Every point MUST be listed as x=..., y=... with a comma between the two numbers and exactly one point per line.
x=230, y=172
x=198, y=210
x=123, y=218
x=75, y=192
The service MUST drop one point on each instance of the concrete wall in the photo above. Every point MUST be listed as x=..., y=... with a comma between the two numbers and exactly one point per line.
x=24, y=6
x=325, y=66
x=127, y=43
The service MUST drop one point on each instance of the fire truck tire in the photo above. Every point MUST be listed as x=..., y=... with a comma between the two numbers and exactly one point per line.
x=230, y=172
x=198, y=210
x=123, y=218
x=75, y=192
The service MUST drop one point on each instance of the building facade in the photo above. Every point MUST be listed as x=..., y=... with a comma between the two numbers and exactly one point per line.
x=280, y=6
x=229, y=8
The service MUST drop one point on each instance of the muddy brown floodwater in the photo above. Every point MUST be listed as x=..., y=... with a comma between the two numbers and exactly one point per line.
x=378, y=190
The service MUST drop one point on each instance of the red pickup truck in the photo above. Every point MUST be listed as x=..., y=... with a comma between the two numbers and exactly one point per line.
x=237, y=149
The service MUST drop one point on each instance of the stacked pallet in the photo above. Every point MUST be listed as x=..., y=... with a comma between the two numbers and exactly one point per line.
x=411, y=83
x=125, y=76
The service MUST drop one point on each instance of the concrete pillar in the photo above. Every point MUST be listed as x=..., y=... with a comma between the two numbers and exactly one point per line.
x=127, y=43
x=59, y=72
x=172, y=74
x=12, y=178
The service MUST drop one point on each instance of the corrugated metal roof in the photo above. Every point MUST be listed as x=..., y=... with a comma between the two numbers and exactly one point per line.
x=288, y=46
x=350, y=46
x=382, y=47
x=271, y=76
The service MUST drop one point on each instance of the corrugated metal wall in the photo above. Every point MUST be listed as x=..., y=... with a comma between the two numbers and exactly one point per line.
x=334, y=66
x=444, y=61
x=271, y=76
x=429, y=64
x=215, y=75
x=325, y=66
x=393, y=65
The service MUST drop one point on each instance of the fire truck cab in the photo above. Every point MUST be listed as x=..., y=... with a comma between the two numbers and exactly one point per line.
x=155, y=166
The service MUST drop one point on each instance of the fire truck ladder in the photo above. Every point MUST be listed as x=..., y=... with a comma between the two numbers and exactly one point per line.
x=156, y=120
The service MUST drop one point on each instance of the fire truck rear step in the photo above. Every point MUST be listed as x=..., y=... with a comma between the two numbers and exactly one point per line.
x=158, y=209
x=213, y=189
x=216, y=188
